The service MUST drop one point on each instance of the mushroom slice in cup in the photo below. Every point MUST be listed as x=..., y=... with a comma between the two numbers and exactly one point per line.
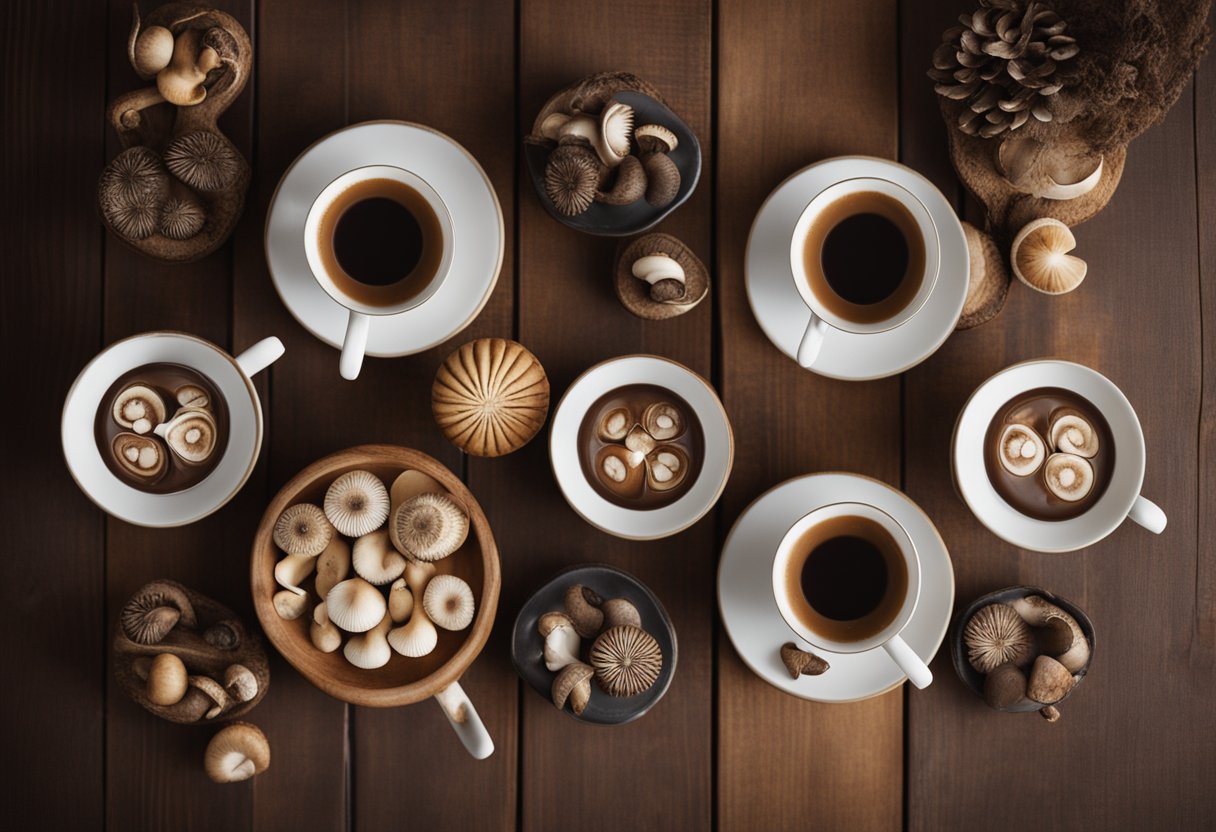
x=190, y=434
x=139, y=408
x=620, y=470
x=615, y=424
x=140, y=456
x=1071, y=433
x=1022, y=450
x=1068, y=476
x=663, y=421
x=191, y=395
x=666, y=468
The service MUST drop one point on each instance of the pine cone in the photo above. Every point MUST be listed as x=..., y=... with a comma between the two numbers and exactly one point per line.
x=1004, y=64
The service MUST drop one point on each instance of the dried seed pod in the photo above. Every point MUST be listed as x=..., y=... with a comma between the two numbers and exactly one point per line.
x=800, y=662
x=583, y=607
x=630, y=185
x=1049, y=682
x=1005, y=687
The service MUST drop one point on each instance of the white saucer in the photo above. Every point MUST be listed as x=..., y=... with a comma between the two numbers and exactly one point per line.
x=755, y=626
x=476, y=220
x=779, y=308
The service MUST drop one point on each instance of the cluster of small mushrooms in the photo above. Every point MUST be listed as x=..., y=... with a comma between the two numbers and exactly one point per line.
x=1030, y=652
x=624, y=659
x=1064, y=455
x=595, y=160
x=190, y=433
x=396, y=598
x=638, y=457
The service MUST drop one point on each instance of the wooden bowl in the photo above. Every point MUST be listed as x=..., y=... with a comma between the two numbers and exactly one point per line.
x=402, y=681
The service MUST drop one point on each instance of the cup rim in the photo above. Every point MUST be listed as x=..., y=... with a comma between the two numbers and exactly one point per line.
x=206, y=511
x=442, y=212
x=907, y=610
x=932, y=241
x=1022, y=530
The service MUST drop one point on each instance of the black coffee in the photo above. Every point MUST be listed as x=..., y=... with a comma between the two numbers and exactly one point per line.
x=846, y=578
x=378, y=241
x=865, y=258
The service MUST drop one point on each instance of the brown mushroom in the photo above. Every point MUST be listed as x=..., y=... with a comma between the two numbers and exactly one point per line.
x=573, y=684
x=583, y=607
x=1005, y=687
x=1050, y=681
x=800, y=662
x=237, y=753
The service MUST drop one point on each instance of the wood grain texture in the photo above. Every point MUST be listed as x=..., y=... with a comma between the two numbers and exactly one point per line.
x=1126, y=753
x=656, y=772
x=53, y=617
x=797, y=83
x=142, y=295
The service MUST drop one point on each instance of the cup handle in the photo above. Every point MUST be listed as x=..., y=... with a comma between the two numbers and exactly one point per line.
x=917, y=671
x=812, y=340
x=462, y=716
x=260, y=356
x=1148, y=514
x=354, y=345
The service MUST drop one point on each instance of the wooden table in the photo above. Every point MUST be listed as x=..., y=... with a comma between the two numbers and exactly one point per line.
x=769, y=86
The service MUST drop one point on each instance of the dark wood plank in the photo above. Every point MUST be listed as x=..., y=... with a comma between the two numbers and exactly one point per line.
x=154, y=769
x=300, y=91
x=1134, y=746
x=797, y=83
x=450, y=66
x=53, y=616
x=656, y=772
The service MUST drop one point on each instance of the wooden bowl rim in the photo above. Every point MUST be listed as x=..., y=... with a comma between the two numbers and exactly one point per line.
x=287, y=643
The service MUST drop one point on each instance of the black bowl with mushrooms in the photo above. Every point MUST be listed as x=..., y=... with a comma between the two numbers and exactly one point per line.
x=610, y=585
x=976, y=680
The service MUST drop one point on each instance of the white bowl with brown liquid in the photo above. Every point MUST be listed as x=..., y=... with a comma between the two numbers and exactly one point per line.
x=1024, y=509
x=641, y=447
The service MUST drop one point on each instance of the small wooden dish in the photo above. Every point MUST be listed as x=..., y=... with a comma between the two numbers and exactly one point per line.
x=402, y=681
x=973, y=679
x=634, y=294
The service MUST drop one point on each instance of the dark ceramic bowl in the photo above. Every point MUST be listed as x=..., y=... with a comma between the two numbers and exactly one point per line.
x=973, y=679
x=623, y=220
x=527, y=647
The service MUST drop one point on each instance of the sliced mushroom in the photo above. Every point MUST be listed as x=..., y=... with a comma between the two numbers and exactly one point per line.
x=615, y=424
x=190, y=434
x=139, y=456
x=1071, y=433
x=667, y=468
x=663, y=421
x=620, y=471
x=139, y=408
x=191, y=395
x=1022, y=450
x=1068, y=476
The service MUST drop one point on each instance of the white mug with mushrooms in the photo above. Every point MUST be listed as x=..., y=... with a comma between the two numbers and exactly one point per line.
x=1050, y=456
x=163, y=428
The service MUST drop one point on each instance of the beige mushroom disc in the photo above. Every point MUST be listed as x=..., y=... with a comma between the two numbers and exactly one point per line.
x=1068, y=476
x=448, y=602
x=303, y=529
x=663, y=421
x=666, y=468
x=615, y=424
x=1022, y=450
x=139, y=409
x=191, y=435
x=236, y=753
x=357, y=503
x=1073, y=434
x=140, y=456
x=429, y=527
x=1040, y=258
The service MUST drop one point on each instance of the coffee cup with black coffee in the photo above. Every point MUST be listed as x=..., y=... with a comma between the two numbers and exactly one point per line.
x=846, y=579
x=379, y=242
x=864, y=256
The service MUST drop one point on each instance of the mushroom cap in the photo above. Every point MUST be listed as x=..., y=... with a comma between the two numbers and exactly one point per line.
x=167, y=680
x=988, y=286
x=573, y=683
x=204, y=160
x=1005, y=686
x=375, y=560
x=583, y=607
x=429, y=527
x=630, y=185
x=357, y=503
x=662, y=179
x=655, y=137
x=290, y=605
x=1068, y=476
x=1049, y=681
x=143, y=619
x=627, y=660
x=181, y=218
x=371, y=649
x=996, y=635
x=571, y=178
x=490, y=397
x=417, y=637
x=355, y=605
x=303, y=529
x=240, y=682
x=448, y=601
x=1040, y=259
x=237, y=752
x=333, y=565
x=619, y=611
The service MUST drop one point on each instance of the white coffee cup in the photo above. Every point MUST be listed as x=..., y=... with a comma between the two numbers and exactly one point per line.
x=824, y=319
x=354, y=345
x=232, y=379
x=1120, y=501
x=886, y=639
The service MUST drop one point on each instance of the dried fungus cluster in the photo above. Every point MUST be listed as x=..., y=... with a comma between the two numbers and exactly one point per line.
x=624, y=659
x=374, y=552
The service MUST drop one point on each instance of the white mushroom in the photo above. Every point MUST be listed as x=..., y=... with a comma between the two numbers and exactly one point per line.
x=375, y=560
x=417, y=637
x=1071, y=433
x=561, y=640
x=1022, y=450
x=370, y=650
x=355, y=605
x=292, y=570
x=1068, y=476
x=324, y=635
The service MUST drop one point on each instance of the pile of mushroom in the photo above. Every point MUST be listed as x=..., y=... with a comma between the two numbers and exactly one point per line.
x=392, y=540
x=187, y=658
x=1063, y=455
x=1030, y=651
x=599, y=156
x=624, y=659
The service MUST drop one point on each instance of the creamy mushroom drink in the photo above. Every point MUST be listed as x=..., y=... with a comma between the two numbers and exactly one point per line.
x=640, y=446
x=162, y=428
x=1049, y=454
